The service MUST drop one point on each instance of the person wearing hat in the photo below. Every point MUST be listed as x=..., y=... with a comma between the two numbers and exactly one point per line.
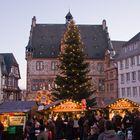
x=37, y=129
x=93, y=133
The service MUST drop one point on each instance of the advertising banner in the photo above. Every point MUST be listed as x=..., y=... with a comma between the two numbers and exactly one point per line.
x=16, y=120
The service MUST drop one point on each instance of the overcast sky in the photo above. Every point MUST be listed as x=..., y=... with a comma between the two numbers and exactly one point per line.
x=122, y=16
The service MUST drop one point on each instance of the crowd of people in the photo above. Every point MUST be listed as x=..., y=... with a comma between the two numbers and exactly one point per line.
x=91, y=126
x=86, y=127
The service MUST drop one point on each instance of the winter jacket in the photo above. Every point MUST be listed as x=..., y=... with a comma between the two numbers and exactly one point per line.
x=108, y=135
x=43, y=136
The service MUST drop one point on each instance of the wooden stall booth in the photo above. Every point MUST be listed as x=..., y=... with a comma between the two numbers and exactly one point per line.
x=13, y=115
x=121, y=106
x=63, y=107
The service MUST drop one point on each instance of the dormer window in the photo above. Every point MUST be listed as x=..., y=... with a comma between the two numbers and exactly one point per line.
x=52, y=53
x=12, y=70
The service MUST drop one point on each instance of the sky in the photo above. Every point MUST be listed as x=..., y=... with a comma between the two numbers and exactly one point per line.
x=122, y=17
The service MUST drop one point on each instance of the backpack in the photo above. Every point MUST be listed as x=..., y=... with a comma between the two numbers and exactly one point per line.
x=121, y=135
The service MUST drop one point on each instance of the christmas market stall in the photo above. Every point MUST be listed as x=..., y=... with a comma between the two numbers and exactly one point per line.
x=50, y=108
x=121, y=106
x=13, y=115
x=63, y=107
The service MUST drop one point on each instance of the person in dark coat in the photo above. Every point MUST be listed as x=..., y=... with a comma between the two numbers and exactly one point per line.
x=1, y=130
x=127, y=121
x=136, y=127
x=81, y=127
x=86, y=130
x=59, y=124
x=27, y=130
x=117, y=121
x=51, y=129
x=70, y=133
x=109, y=133
x=43, y=134
x=101, y=129
x=33, y=128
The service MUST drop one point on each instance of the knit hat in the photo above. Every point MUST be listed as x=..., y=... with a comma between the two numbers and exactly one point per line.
x=94, y=126
x=37, y=123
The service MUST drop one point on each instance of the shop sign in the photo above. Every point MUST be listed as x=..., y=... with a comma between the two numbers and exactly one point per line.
x=67, y=106
x=83, y=101
x=16, y=120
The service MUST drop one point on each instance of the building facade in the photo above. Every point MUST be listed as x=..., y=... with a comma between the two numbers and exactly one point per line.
x=111, y=71
x=44, y=47
x=129, y=70
x=9, y=76
x=111, y=77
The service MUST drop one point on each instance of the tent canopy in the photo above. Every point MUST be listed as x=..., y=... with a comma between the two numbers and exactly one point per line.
x=16, y=106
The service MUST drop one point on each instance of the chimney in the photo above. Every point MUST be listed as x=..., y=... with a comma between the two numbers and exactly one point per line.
x=33, y=21
x=104, y=25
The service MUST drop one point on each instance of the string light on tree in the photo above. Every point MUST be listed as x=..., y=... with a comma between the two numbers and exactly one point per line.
x=73, y=66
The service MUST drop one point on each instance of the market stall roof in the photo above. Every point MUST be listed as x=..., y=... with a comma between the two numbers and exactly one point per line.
x=122, y=103
x=16, y=106
x=66, y=105
x=53, y=104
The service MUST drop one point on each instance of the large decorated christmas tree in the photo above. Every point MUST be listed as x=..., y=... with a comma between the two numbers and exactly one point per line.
x=73, y=81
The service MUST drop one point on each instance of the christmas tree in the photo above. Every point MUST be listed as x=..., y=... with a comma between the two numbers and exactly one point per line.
x=73, y=81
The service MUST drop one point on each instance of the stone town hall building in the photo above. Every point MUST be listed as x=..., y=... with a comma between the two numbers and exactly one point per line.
x=44, y=47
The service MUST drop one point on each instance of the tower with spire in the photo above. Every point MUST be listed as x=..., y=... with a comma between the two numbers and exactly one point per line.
x=68, y=17
x=29, y=48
